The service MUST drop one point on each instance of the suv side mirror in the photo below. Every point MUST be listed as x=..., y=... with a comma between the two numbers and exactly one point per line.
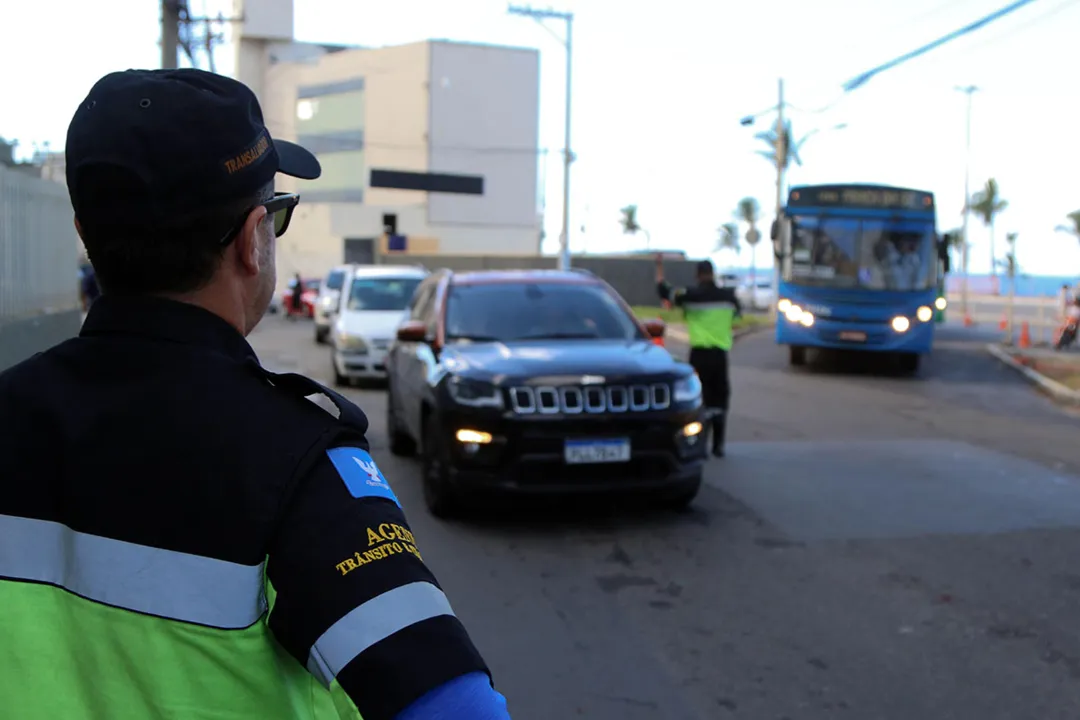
x=412, y=331
x=655, y=327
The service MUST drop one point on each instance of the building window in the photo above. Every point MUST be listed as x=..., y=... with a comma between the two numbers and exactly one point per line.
x=330, y=113
x=330, y=123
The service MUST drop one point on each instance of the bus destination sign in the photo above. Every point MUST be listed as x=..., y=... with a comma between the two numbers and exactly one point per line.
x=856, y=196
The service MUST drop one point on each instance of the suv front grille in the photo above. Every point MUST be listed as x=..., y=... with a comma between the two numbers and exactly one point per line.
x=591, y=399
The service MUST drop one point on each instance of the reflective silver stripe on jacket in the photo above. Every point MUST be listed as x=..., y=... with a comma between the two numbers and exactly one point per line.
x=719, y=305
x=169, y=584
x=375, y=620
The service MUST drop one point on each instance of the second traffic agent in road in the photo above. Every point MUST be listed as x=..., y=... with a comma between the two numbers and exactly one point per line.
x=710, y=312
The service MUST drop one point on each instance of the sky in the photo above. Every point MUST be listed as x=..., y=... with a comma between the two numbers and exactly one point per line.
x=658, y=92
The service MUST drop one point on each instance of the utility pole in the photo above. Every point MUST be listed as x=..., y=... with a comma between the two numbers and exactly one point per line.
x=176, y=33
x=969, y=91
x=781, y=163
x=170, y=33
x=568, y=155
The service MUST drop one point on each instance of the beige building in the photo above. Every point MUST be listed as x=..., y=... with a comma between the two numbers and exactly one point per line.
x=432, y=106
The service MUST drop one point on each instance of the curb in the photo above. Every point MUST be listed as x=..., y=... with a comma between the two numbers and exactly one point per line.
x=679, y=334
x=1052, y=387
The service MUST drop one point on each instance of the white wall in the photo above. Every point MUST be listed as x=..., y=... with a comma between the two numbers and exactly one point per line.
x=485, y=105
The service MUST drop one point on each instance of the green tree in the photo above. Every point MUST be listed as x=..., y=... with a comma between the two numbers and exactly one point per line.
x=631, y=226
x=7, y=152
x=988, y=204
x=729, y=238
x=1008, y=263
x=956, y=244
x=1073, y=226
x=749, y=212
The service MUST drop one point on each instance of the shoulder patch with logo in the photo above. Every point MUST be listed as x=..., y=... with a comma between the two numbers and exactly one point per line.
x=361, y=475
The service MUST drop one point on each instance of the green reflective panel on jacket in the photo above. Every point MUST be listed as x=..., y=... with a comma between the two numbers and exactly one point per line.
x=63, y=656
x=709, y=324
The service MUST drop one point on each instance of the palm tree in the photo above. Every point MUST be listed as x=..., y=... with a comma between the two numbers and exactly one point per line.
x=630, y=224
x=749, y=212
x=729, y=238
x=987, y=204
x=1073, y=228
x=1009, y=264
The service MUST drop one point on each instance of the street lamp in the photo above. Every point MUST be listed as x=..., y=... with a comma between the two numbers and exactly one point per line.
x=969, y=91
x=568, y=155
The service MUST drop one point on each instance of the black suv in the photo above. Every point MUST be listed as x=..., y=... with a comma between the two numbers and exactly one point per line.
x=540, y=382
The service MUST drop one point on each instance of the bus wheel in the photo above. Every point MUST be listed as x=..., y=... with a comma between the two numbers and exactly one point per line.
x=909, y=363
x=797, y=355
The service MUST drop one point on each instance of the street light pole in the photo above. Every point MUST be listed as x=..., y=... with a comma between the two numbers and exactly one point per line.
x=969, y=91
x=568, y=155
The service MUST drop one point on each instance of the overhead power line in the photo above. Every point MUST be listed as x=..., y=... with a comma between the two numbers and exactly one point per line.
x=860, y=80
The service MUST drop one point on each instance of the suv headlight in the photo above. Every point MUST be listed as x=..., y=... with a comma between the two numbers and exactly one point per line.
x=474, y=393
x=688, y=389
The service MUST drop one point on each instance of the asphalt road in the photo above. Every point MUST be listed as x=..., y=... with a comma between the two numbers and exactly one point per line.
x=873, y=547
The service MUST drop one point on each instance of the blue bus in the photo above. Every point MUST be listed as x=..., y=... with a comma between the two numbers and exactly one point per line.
x=862, y=267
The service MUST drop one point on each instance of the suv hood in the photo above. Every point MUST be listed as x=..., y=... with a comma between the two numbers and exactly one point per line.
x=548, y=360
x=371, y=324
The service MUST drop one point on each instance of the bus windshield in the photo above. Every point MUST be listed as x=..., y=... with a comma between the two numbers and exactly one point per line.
x=871, y=253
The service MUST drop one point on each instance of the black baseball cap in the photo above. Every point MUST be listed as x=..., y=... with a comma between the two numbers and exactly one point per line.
x=183, y=139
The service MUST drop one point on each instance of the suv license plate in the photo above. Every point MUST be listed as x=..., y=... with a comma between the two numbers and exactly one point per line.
x=579, y=452
x=853, y=336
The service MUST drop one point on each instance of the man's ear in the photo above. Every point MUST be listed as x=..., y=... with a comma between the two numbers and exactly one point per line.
x=247, y=241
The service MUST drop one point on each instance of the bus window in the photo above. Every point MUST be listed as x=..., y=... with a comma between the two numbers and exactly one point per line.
x=824, y=251
x=898, y=255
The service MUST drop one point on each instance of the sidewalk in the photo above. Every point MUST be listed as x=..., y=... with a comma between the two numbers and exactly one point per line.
x=1055, y=373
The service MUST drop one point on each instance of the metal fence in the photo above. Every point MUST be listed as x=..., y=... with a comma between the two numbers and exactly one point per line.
x=633, y=278
x=39, y=288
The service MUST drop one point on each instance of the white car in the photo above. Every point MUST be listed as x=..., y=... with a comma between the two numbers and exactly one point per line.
x=756, y=296
x=374, y=302
x=326, y=304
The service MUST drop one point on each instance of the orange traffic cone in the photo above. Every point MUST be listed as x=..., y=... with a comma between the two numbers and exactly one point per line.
x=1004, y=324
x=968, y=322
x=1025, y=335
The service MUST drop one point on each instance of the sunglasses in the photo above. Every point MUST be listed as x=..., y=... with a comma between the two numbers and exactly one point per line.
x=280, y=207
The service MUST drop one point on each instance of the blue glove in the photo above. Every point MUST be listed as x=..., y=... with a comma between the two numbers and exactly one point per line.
x=469, y=697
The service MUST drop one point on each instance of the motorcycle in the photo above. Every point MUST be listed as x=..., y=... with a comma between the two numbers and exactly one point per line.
x=1066, y=334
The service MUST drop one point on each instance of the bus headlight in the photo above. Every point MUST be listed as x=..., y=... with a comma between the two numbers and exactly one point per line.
x=900, y=324
x=793, y=313
x=924, y=314
x=806, y=319
x=941, y=303
x=783, y=305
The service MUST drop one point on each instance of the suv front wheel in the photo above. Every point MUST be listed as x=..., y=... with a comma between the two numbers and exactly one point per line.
x=682, y=499
x=439, y=495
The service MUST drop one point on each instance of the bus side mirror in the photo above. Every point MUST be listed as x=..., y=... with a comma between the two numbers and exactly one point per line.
x=774, y=230
x=943, y=251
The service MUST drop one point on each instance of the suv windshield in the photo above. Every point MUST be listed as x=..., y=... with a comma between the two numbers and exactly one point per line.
x=877, y=254
x=536, y=311
x=381, y=293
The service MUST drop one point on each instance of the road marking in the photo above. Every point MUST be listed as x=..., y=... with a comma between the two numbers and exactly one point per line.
x=881, y=489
